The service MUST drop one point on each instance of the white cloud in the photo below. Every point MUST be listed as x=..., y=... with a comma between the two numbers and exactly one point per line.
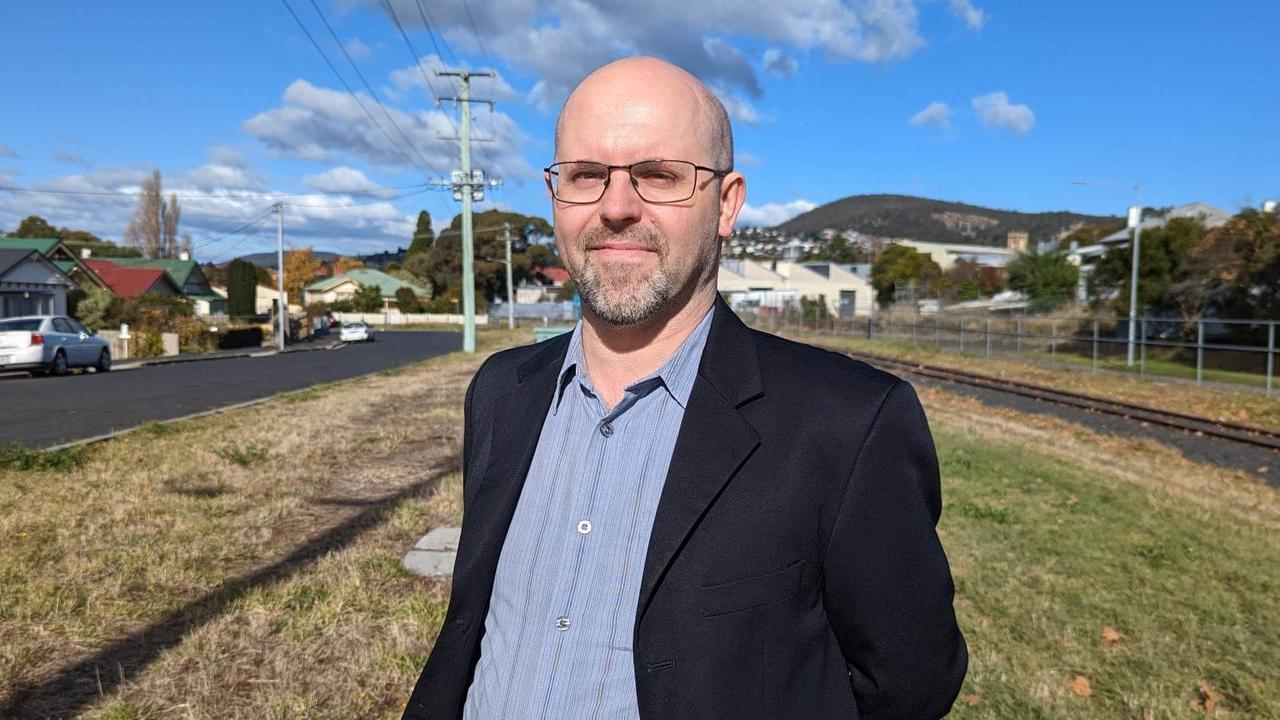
x=995, y=110
x=560, y=41
x=357, y=49
x=779, y=64
x=973, y=17
x=742, y=158
x=413, y=76
x=65, y=158
x=935, y=115
x=6, y=151
x=771, y=214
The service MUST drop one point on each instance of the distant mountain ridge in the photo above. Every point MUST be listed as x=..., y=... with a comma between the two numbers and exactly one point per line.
x=916, y=218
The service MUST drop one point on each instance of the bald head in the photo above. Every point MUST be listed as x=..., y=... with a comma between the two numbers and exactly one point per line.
x=617, y=88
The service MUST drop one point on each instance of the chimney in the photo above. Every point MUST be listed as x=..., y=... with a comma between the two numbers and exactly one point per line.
x=184, y=256
x=85, y=253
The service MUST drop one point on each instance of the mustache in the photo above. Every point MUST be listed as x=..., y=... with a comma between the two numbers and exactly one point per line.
x=645, y=237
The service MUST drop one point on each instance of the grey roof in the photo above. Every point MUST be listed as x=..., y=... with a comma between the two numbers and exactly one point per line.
x=12, y=257
x=1209, y=215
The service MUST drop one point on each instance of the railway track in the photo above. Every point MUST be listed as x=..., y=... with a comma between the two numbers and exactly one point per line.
x=1223, y=429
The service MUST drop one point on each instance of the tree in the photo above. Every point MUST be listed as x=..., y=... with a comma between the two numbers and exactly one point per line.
x=96, y=308
x=368, y=298
x=1048, y=280
x=242, y=288
x=902, y=264
x=1235, y=269
x=407, y=300
x=343, y=264
x=423, y=236
x=837, y=250
x=300, y=270
x=443, y=265
x=1163, y=265
x=153, y=229
x=34, y=226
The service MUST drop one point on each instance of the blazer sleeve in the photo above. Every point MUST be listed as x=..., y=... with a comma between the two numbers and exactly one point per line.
x=887, y=587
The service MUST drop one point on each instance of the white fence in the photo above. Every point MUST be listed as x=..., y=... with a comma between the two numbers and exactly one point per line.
x=395, y=317
x=121, y=351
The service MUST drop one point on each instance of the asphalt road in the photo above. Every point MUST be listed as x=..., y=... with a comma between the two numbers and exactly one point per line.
x=46, y=411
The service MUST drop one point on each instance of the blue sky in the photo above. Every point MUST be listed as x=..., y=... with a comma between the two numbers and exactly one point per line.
x=997, y=103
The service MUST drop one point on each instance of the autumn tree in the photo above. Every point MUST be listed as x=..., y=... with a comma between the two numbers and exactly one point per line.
x=153, y=229
x=300, y=270
x=1235, y=269
x=343, y=264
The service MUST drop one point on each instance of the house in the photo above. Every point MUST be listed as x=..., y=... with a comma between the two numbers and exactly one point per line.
x=188, y=276
x=57, y=252
x=531, y=292
x=31, y=284
x=751, y=284
x=132, y=282
x=344, y=287
x=264, y=299
x=948, y=254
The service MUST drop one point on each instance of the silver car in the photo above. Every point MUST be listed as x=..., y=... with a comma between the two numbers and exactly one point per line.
x=355, y=331
x=50, y=344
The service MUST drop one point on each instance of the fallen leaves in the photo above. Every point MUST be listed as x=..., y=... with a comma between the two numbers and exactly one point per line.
x=1081, y=686
x=1208, y=701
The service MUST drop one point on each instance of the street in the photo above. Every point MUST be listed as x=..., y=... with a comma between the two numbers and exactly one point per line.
x=45, y=411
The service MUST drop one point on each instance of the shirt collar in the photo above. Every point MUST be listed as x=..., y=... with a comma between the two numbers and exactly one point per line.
x=676, y=375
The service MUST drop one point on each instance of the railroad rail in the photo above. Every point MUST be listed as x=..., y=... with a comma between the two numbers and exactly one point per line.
x=1224, y=429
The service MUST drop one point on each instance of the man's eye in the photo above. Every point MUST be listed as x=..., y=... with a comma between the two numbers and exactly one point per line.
x=579, y=177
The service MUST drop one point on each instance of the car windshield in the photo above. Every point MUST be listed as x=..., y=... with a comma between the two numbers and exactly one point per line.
x=32, y=324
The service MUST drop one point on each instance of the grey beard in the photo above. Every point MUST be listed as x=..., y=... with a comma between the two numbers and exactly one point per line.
x=618, y=298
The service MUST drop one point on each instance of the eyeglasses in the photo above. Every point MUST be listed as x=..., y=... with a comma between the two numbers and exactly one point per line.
x=656, y=181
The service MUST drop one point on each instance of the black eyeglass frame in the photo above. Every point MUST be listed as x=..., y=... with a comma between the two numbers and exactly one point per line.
x=635, y=184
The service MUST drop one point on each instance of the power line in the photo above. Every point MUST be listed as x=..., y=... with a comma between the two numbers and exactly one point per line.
x=209, y=196
x=472, y=21
x=427, y=22
x=369, y=87
x=416, y=59
x=354, y=96
x=261, y=217
x=371, y=202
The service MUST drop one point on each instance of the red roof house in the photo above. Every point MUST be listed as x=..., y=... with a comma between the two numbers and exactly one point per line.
x=557, y=276
x=131, y=282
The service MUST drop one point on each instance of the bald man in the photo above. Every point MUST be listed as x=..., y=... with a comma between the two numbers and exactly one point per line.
x=670, y=515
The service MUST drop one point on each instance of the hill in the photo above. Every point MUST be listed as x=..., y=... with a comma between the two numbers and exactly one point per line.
x=904, y=216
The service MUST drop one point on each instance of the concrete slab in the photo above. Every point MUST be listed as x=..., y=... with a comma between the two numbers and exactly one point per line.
x=441, y=538
x=434, y=553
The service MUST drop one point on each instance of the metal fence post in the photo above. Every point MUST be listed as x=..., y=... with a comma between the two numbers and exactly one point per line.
x=1095, y=344
x=961, y=334
x=988, y=337
x=870, y=319
x=1199, y=352
x=1053, y=342
x=1142, y=342
x=914, y=323
x=1018, y=332
x=1271, y=355
x=937, y=333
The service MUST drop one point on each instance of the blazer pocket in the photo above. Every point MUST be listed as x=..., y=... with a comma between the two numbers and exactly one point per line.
x=751, y=592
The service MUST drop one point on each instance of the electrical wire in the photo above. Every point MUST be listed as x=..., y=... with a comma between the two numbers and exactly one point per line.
x=416, y=59
x=369, y=87
x=208, y=196
x=475, y=32
x=351, y=92
x=371, y=202
x=427, y=22
x=257, y=220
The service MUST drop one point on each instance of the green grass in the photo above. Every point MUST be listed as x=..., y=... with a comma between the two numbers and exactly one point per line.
x=1046, y=555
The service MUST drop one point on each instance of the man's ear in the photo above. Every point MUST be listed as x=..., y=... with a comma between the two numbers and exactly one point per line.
x=733, y=194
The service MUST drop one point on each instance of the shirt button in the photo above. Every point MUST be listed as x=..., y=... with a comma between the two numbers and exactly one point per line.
x=606, y=430
x=562, y=623
x=584, y=527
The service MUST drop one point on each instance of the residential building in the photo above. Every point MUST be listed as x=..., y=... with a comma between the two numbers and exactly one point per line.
x=948, y=254
x=31, y=284
x=132, y=282
x=750, y=284
x=188, y=276
x=60, y=254
x=344, y=287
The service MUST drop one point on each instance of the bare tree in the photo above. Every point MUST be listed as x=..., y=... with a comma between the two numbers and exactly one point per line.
x=153, y=229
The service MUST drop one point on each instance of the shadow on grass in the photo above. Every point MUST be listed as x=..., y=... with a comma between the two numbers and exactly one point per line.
x=73, y=688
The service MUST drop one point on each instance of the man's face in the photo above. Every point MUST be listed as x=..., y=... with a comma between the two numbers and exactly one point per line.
x=628, y=257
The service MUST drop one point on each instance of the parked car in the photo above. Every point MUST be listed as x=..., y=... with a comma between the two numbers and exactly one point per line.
x=355, y=331
x=50, y=344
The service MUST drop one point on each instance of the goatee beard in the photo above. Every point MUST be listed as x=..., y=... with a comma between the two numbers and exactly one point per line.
x=616, y=293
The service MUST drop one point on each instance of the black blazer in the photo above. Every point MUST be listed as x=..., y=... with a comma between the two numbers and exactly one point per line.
x=793, y=570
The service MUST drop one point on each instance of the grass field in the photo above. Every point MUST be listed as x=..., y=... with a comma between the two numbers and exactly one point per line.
x=246, y=565
x=1243, y=406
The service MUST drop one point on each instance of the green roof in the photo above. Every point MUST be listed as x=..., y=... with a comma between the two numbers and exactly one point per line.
x=42, y=245
x=387, y=284
x=65, y=266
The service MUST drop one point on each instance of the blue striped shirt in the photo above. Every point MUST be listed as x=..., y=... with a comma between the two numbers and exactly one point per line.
x=557, y=640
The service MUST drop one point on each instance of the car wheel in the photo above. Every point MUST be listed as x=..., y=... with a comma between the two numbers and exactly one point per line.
x=59, y=366
x=104, y=362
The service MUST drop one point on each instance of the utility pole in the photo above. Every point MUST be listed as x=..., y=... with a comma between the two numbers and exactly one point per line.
x=467, y=186
x=1135, y=222
x=282, y=304
x=511, y=307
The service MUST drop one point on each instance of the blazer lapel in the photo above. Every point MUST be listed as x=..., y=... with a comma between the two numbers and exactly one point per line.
x=516, y=424
x=713, y=443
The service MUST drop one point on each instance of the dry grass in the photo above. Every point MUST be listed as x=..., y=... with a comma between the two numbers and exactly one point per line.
x=242, y=565
x=1242, y=406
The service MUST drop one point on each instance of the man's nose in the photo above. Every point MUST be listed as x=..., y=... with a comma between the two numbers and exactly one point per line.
x=621, y=204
